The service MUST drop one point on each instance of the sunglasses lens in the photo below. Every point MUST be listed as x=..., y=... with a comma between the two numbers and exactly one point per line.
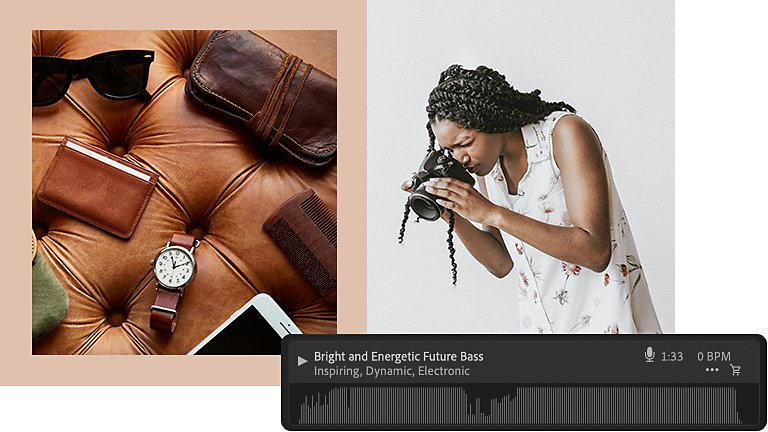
x=49, y=81
x=120, y=76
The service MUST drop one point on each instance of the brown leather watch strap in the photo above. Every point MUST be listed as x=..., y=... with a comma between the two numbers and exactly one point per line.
x=164, y=312
x=186, y=241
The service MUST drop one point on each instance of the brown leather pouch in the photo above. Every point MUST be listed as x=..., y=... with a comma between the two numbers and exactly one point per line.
x=97, y=187
x=286, y=102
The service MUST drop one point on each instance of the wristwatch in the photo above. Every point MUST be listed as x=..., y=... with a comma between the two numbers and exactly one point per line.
x=174, y=269
x=34, y=246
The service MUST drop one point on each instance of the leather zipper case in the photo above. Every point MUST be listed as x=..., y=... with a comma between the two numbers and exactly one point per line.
x=283, y=100
x=97, y=187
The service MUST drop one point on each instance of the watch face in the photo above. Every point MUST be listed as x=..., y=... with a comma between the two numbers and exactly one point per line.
x=174, y=267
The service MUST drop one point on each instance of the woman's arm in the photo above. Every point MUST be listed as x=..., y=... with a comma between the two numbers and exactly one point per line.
x=486, y=245
x=578, y=154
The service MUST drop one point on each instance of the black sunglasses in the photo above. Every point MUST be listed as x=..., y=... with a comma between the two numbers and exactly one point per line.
x=114, y=75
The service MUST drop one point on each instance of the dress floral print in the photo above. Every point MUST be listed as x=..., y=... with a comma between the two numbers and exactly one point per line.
x=561, y=297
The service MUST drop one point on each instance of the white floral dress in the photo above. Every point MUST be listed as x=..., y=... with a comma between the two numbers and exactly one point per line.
x=561, y=297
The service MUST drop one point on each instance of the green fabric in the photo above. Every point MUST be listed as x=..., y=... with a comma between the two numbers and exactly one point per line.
x=49, y=300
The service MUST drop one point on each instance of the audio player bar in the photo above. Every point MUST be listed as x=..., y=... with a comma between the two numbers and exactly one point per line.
x=494, y=382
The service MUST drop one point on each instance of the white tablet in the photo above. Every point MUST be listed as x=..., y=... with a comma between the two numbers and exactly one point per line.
x=257, y=328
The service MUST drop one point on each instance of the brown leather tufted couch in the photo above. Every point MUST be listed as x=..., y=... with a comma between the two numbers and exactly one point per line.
x=214, y=183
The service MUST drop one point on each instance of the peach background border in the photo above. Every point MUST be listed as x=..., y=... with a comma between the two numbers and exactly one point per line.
x=20, y=367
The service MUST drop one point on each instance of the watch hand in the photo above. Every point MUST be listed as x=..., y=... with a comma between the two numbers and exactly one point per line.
x=181, y=264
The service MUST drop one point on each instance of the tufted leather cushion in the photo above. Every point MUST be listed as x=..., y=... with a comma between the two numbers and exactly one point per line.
x=214, y=183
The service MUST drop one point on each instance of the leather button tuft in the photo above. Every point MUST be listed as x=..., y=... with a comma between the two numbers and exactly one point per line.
x=116, y=317
x=118, y=150
x=196, y=230
x=40, y=231
x=185, y=73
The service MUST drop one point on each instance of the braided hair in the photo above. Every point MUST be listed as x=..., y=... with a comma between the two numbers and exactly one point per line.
x=483, y=100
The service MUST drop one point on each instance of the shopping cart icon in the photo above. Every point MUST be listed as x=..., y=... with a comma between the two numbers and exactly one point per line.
x=736, y=370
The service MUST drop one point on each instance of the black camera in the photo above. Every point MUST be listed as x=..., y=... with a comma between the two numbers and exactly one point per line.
x=435, y=165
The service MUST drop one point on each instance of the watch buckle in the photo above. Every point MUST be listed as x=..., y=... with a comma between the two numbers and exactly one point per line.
x=164, y=309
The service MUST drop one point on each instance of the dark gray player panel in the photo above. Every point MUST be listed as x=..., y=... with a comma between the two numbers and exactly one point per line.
x=524, y=382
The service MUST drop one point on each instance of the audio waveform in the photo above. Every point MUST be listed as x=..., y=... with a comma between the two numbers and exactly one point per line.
x=503, y=404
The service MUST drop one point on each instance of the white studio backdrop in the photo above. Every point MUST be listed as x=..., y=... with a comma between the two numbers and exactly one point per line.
x=611, y=60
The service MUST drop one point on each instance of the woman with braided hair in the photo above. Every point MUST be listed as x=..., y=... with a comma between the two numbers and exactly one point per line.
x=547, y=203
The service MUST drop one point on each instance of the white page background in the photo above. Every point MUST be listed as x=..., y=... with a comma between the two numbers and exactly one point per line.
x=719, y=244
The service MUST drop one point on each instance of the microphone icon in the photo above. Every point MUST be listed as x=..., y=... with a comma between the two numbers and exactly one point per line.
x=649, y=355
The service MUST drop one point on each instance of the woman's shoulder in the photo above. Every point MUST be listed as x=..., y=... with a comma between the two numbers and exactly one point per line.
x=568, y=118
x=570, y=127
x=574, y=139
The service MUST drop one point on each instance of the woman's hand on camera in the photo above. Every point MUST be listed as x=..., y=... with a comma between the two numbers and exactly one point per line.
x=462, y=198
x=407, y=186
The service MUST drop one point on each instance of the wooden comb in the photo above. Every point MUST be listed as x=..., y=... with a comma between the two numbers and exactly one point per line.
x=305, y=230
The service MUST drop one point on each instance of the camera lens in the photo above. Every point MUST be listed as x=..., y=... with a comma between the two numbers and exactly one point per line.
x=424, y=204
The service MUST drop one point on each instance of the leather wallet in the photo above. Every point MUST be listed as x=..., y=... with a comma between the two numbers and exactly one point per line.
x=97, y=187
x=284, y=101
